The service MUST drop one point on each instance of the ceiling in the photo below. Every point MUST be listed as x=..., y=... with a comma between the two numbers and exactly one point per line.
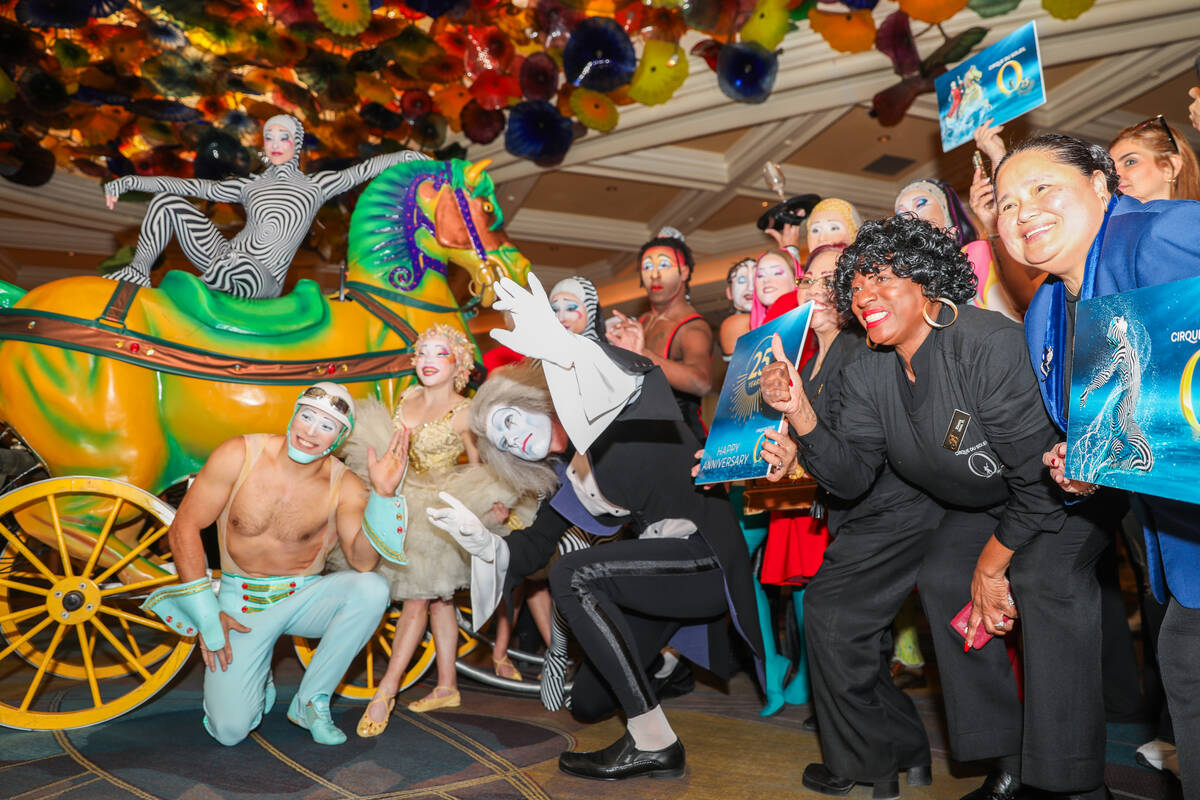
x=695, y=163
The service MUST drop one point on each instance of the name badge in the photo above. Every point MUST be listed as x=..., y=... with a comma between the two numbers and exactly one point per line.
x=954, y=434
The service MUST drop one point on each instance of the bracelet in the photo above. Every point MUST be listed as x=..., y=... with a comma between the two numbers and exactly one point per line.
x=1089, y=492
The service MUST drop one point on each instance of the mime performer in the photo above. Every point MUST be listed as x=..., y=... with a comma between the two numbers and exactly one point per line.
x=280, y=204
x=280, y=503
x=628, y=459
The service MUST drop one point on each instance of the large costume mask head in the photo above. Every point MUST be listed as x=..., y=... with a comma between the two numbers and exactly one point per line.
x=832, y=221
x=577, y=306
x=323, y=412
x=511, y=420
x=294, y=130
x=936, y=202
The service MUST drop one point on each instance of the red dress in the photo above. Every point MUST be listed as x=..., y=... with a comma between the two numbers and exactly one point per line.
x=796, y=542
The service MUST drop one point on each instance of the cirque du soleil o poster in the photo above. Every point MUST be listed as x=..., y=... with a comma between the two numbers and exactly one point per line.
x=1133, y=423
x=733, y=450
x=1000, y=83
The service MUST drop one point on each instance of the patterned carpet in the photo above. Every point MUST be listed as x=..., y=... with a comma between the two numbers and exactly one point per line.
x=495, y=747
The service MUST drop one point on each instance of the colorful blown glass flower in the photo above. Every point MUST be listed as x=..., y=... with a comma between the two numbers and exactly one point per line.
x=595, y=110
x=746, y=71
x=661, y=71
x=599, y=55
x=539, y=77
x=346, y=17
x=537, y=131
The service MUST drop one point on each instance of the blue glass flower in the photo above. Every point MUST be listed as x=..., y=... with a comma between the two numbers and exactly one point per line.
x=599, y=55
x=538, y=132
x=746, y=71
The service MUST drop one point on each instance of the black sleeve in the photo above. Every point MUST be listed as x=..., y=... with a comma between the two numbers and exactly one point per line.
x=1009, y=407
x=530, y=549
x=847, y=449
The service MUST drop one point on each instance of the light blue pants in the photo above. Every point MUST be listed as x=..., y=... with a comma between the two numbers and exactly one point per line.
x=342, y=610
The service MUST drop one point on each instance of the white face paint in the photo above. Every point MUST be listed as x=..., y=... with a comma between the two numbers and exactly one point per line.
x=524, y=434
x=741, y=290
x=570, y=312
x=278, y=144
x=313, y=431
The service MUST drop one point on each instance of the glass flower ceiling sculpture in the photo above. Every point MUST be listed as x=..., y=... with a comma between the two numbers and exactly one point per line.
x=180, y=87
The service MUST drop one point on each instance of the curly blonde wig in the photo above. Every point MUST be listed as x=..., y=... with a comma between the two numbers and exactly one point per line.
x=460, y=346
x=520, y=385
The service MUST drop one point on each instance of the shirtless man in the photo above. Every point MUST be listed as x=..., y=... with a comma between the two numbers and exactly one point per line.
x=673, y=335
x=280, y=504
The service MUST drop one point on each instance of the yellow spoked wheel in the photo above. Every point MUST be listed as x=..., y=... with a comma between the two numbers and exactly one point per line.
x=365, y=673
x=70, y=613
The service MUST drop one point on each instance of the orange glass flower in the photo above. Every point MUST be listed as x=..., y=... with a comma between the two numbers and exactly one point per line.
x=847, y=33
x=932, y=11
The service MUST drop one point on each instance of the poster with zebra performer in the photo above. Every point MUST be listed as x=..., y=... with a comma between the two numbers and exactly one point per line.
x=1132, y=420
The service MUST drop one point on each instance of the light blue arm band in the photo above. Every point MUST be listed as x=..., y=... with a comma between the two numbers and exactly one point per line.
x=384, y=522
x=188, y=608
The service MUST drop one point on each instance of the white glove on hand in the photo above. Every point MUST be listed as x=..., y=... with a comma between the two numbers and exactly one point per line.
x=464, y=526
x=536, y=332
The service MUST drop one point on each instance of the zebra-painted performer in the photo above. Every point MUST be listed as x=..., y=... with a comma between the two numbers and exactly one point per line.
x=280, y=204
x=1123, y=428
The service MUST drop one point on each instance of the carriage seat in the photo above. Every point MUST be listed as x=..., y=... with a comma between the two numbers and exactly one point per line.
x=304, y=307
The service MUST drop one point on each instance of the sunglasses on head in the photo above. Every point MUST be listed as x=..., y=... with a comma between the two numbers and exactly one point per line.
x=1159, y=120
x=339, y=403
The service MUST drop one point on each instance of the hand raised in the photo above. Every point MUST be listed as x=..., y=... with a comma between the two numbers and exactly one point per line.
x=536, y=331
x=987, y=139
x=628, y=334
x=983, y=202
x=780, y=387
x=387, y=471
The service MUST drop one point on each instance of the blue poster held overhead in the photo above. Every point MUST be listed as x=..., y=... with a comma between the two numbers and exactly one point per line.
x=1132, y=421
x=733, y=450
x=1000, y=83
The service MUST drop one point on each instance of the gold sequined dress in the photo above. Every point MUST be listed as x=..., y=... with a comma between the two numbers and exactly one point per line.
x=437, y=567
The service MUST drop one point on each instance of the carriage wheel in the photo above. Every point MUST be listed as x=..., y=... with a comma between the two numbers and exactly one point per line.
x=65, y=613
x=368, y=667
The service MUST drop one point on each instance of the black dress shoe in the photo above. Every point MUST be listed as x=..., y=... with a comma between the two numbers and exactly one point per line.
x=677, y=683
x=820, y=779
x=919, y=776
x=622, y=759
x=999, y=785
x=810, y=723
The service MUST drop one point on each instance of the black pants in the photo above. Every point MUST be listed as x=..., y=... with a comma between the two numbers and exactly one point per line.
x=1059, y=731
x=869, y=728
x=1179, y=659
x=623, y=601
x=1058, y=597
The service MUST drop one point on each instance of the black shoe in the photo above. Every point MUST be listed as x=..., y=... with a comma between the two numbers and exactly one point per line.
x=820, y=779
x=810, y=723
x=622, y=759
x=1099, y=793
x=999, y=785
x=679, y=682
x=919, y=776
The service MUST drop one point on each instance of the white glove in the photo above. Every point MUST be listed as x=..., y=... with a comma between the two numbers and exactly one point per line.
x=536, y=332
x=464, y=526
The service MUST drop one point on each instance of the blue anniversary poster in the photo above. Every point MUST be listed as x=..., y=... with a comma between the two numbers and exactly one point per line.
x=1132, y=420
x=733, y=450
x=1000, y=82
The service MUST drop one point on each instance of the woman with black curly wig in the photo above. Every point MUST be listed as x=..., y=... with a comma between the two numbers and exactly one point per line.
x=948, y=400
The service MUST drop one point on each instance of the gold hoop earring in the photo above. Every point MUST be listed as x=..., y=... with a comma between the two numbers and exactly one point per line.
x=934, y=323
x=871, y=345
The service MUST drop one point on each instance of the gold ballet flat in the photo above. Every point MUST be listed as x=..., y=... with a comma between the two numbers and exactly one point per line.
x=505, y=668
x=368, y=727
x=432, y=701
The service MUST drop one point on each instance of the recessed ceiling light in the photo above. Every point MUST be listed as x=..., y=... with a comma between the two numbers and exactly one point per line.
x=883, y=139
x=610, y=188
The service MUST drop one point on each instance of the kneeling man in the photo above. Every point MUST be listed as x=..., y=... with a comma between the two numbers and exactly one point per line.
x=280, y=504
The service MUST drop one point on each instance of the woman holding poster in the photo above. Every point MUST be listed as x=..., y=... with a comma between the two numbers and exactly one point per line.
x=1058, y=212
